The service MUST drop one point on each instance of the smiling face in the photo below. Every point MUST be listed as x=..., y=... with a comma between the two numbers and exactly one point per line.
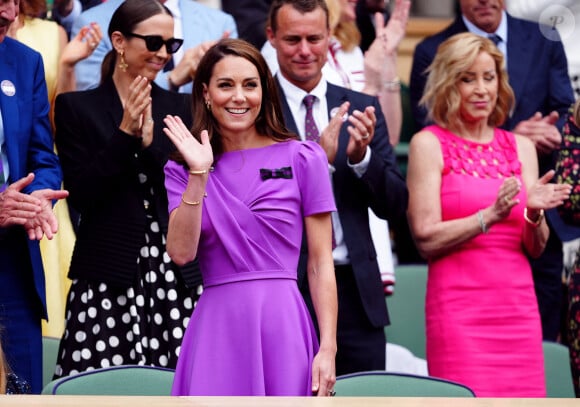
x=139, y=59
x=234, y=93
x=485, y=14
x=301, y=43
x=478, y=89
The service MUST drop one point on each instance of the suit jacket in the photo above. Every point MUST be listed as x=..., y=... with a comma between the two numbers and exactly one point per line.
x=382, y=188
x=101, y=167
x=537, y=68
x=251, y=18
x=199, y=23
x=27, y=133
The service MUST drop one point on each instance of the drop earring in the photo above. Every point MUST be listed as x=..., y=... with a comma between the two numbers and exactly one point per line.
x=122, y=64
x=208, y=105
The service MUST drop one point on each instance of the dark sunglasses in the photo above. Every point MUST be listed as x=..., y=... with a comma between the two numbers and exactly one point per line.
x=155, y=42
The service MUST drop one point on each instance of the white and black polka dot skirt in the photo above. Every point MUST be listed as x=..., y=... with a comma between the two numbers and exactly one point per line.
x=143, y=324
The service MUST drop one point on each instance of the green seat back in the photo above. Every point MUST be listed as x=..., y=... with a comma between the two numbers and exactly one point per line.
x=386, y=384
x=407, y=309
x=49, y=357
x=558, y=372
x=126, y=380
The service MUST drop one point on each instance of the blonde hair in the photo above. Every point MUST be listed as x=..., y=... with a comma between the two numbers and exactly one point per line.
x=347, y=33
x=577, y=113
x=454, y=56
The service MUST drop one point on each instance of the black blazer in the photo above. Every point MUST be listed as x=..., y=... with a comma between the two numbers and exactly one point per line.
x=101, y=166
x=382, y=188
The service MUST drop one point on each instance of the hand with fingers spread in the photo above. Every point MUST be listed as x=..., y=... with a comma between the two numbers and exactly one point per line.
x=545, y=195
x=329, y=136
x=197, y=154
x=82, y=45
x=361, y=130
x=136, y=107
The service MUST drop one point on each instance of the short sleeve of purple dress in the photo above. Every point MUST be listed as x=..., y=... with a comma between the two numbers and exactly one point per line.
x=251, y=333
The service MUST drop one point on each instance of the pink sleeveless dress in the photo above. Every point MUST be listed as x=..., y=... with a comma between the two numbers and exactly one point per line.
x=482, y=319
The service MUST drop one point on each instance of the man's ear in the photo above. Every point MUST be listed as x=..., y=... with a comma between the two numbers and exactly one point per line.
x=271, y=36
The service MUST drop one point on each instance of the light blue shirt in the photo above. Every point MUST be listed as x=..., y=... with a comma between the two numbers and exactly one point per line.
x=501, y=32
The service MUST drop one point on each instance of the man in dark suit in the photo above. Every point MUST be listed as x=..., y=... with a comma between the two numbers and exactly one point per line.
x=30, y=177
x=538, y=74
x=362, y=166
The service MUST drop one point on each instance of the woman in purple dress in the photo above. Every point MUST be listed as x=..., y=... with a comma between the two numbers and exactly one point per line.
x=241, y=194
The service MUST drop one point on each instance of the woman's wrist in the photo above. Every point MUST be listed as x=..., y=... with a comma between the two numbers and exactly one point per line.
x=534, y=217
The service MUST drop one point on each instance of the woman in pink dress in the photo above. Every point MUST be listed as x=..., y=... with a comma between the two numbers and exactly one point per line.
x=476, y=210
x=240, y=195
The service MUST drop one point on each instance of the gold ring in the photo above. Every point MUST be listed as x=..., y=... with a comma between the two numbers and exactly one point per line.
x=366, y=136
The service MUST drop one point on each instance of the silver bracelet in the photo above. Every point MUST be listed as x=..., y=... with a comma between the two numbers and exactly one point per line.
x=392, y=86
x=482, y=224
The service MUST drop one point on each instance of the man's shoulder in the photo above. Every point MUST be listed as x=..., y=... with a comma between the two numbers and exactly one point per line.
x=24, y=52
x=432, y=42
x=352, y=96
x=101, y=13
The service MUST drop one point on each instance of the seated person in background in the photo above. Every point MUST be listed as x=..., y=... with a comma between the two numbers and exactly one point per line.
x=476, y=209
x=199, y=26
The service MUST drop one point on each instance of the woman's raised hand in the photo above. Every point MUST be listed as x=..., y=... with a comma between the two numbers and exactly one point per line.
x=198, y=155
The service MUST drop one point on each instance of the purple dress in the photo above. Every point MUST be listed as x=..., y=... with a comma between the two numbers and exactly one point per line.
x=251, y=333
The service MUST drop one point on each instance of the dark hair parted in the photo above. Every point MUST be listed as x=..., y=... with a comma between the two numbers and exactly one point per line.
x=270, y=121
x=124, y=19
x=303, y=6
x=454, y=57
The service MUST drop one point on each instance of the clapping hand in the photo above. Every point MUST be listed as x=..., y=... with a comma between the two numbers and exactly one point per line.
x=137, y=112
x=329, y=136
x=33, y=211
x=545, y=195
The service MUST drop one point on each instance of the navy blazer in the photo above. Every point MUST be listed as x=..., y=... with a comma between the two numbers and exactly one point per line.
x=381, y=188
x=537, y=68
x=101, y=166
x=27, y=133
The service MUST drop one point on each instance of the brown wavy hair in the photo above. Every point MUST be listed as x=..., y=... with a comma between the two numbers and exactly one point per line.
x=454, y=56
x=270, y=120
